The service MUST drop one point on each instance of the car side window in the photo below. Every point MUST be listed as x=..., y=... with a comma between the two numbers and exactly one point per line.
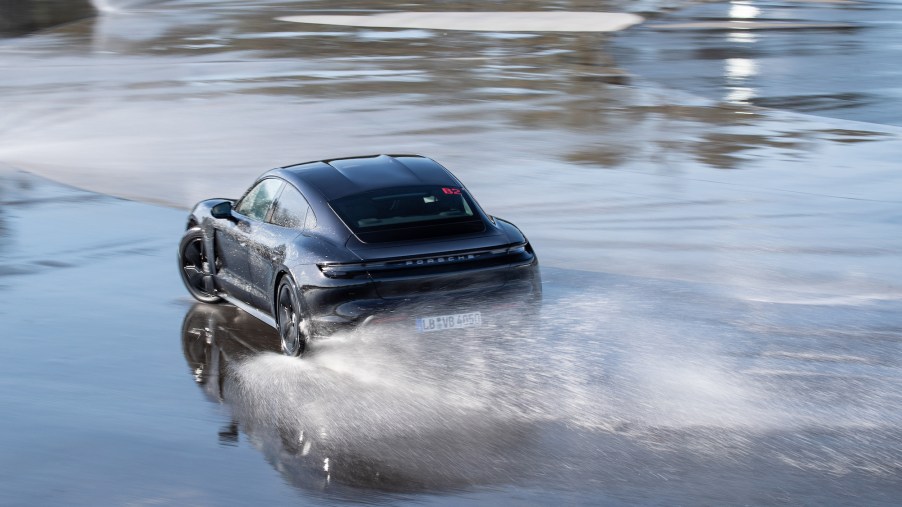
x=291, y=209
x=257, y=202
x=310, y=222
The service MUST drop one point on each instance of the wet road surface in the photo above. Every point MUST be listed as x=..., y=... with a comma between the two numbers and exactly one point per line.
x=827, y=58
x=721, y=320
x=619, y=390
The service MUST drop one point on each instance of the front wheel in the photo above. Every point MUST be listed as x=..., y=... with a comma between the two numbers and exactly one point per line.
x=194, y=266
x=290, y=320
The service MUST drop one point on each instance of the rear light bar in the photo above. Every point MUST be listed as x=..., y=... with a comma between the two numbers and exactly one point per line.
x=519, y=253
x=349, y=270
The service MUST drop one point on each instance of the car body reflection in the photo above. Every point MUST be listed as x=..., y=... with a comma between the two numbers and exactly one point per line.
x=395, y=417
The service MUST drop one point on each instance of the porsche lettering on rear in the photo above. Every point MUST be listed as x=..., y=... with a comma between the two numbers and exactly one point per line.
x=439, y=260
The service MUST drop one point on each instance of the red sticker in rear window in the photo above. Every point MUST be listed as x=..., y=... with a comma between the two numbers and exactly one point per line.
x=451, y=191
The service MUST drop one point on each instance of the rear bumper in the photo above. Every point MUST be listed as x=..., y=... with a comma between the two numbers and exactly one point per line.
x=487, y=290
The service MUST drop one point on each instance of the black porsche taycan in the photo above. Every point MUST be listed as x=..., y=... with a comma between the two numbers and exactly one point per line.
x=315, y=247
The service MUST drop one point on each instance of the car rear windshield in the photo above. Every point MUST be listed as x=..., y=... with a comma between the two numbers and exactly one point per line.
x=405, y=213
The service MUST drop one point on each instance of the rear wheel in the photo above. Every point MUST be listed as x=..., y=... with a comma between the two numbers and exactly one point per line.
x=290, y=318
x=194, y=266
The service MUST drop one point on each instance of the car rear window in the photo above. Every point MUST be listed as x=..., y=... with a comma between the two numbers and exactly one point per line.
x=402, y=213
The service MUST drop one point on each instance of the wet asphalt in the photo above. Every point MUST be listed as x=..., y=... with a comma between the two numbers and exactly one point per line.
x=619, y=390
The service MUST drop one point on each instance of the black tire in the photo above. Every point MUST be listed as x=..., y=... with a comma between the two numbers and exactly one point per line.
x=290, y=318
x=194, y=266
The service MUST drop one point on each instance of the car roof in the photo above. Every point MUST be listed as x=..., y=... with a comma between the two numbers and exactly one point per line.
x=337, y=178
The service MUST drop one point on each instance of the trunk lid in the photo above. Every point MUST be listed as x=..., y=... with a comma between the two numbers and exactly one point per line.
x=442, y=266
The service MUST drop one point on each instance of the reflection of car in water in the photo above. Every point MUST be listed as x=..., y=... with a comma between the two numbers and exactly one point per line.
x=320, y=426
x=316, y=247
x=216, y=339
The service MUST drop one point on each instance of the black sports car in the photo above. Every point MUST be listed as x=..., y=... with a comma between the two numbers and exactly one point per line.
x=317, y=246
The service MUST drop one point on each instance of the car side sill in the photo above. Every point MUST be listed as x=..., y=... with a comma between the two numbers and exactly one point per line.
x=251, y=310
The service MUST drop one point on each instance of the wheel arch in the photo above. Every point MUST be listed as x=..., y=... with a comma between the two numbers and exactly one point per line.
x=299, y=292
x=275, y=289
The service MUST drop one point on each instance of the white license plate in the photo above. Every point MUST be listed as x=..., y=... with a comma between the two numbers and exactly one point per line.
x=450, y=321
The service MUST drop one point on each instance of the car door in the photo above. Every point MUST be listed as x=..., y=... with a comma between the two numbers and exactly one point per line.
x=237, y=240
x=286, y=223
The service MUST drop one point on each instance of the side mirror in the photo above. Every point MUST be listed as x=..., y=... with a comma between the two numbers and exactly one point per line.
x=222, y=210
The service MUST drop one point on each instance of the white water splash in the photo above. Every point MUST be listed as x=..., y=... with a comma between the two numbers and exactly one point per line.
x=595, y=371
x=105, y=6
x=114, y=6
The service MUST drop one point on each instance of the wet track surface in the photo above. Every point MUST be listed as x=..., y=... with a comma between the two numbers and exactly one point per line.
x=721, y=319
x=618, y=389
x=832, y=58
